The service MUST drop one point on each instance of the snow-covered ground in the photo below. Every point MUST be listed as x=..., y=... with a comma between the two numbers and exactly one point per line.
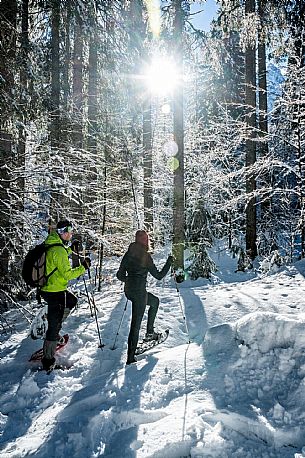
x=228, y=382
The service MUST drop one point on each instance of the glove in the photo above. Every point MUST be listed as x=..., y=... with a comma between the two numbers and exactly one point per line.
x=86, y=263
x=170, y=259
x=75, y=246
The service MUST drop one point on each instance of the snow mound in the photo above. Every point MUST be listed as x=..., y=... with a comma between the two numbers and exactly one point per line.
x=261, y=331
x=219, y=339
x=261, y=361
x=266, y=331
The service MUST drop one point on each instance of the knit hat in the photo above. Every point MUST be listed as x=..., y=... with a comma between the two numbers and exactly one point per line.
x=64, y=226
x=142, y=238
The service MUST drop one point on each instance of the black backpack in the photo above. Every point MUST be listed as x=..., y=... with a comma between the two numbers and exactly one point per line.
x=34, y=266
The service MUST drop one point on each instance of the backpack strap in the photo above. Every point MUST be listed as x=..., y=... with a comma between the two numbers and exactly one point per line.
x=48, y=276
x=47, y=248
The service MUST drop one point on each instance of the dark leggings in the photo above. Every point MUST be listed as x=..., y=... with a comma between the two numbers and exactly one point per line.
x=139, y=303
x=57, y=302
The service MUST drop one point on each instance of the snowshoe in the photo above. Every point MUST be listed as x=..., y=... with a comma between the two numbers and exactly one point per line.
x=39, y=324
x=37, y=355
x=146, y=345
x=54, y=367
x=152, y=336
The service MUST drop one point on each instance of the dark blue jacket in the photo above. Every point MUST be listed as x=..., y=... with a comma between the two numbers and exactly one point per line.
x=134, y=267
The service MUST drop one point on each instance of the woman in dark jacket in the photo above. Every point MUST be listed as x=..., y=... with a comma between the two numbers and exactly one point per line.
x=133, y=270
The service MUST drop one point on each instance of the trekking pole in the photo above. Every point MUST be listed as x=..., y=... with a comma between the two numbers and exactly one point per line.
x=85, y=283
x=88, y=297
x=92, y=290
x=101, y=345
x=180, y=303
x=116, y=336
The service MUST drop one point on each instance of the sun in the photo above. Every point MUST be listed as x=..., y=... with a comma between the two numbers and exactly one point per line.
x=161, y=76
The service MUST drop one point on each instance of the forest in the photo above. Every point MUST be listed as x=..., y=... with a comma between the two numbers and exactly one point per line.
x=122, y=115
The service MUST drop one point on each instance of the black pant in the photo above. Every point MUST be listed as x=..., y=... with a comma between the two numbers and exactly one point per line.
x=57, y=302
x=139, y=302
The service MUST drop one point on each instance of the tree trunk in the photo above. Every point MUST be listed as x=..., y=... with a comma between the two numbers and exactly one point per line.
x=92, y=94
x=262, y=83
x=103, y=228
x=138, y=27
x=8, y=15
x=55, y=76
x=55, y=127
x=147, y=165
x=24, y=47
x=78, y=84
x=250, y=81
x=76, y=209
x=298, y=61
x=266, y=180
x=66, y=123
x=178, y=210
x=93, y=177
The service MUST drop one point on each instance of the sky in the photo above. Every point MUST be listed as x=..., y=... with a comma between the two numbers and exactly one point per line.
x=203, y=19
x=229, y=382
x=206, y=12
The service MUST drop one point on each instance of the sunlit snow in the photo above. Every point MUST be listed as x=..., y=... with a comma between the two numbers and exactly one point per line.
x=236, y=390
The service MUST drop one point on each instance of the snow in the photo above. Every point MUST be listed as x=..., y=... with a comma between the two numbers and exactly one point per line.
x=228, y=382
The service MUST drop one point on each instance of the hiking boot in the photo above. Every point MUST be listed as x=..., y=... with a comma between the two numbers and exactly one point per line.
x=152, y=336
x=48, y=364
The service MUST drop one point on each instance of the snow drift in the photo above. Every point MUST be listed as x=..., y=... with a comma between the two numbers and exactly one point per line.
x=261, y=361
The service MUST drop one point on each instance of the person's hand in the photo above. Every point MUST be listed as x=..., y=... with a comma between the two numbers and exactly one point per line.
x=86, y=263
x=75, y=246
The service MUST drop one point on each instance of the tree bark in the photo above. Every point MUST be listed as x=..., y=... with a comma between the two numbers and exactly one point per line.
x=266, y=180
x=23, y=112
x=55, y=76
x=55, y=127
x=66, y=122
x=92, y=93
x=147, y=165
x=78, y=83
x=8, y=20
x=178, y=210
x=297, y=28
x=77, y=208
x=250, y=99
x=92, y=143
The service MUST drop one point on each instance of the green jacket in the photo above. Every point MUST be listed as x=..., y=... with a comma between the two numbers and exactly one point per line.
x=57, y=257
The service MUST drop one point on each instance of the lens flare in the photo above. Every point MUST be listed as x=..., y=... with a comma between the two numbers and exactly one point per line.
x=161, y=76
x=154, y=21
x=173, y=163
x=170, y=148
x=166, y=108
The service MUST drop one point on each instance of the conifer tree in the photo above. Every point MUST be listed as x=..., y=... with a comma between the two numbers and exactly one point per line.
x=8, y=22
x=178, y=208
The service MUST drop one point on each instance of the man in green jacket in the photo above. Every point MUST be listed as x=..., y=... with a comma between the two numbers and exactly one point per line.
x=60, y=301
